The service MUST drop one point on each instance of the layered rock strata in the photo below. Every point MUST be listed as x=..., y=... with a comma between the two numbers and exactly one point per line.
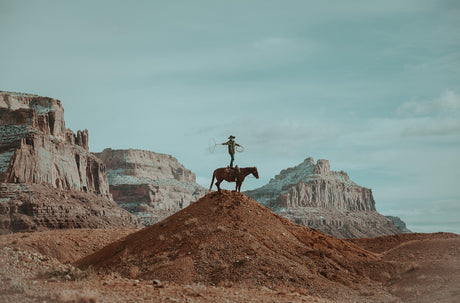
x=36, y=207
x=312, y=195
x=36, y=148
x=151, y=185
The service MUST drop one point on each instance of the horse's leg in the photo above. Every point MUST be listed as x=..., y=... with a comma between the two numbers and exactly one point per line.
x=218, y=184
x=239, y=183
x=236, y=186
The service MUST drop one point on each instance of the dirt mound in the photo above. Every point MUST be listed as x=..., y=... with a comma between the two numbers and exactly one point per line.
x=230, y=239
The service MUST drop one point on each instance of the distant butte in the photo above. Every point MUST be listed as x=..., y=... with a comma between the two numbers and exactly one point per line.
x=312, y=195
x=151, y=185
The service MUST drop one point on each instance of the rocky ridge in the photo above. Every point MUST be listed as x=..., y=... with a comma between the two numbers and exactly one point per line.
x=37, y=149
x=37, y=207
x=312, y=195
x=151, y=185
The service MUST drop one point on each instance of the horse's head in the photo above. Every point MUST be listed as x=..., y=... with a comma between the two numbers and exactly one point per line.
x=255, y=173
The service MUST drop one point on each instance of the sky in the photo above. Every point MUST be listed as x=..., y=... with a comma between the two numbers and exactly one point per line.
x=371, y=86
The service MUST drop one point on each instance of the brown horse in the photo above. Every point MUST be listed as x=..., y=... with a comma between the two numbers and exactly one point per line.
x=233, y=175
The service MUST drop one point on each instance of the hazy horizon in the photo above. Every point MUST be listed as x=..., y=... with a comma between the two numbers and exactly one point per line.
x=371, y=86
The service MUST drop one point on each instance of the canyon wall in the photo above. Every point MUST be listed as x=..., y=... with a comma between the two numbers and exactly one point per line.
x=37, y=149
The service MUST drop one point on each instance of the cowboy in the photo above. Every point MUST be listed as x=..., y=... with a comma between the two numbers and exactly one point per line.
x=231, y=148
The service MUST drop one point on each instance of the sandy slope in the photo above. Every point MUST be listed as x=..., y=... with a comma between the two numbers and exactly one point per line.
x=435, y=259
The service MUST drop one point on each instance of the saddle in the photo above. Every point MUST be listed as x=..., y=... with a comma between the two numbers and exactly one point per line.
x=234, y=171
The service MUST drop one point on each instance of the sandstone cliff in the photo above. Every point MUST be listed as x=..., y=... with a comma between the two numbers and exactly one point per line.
x=311, y=194
x=36, y=148
x=150, y=185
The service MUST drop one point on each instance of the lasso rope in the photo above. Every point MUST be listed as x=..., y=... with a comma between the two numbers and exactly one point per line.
x=212, y=146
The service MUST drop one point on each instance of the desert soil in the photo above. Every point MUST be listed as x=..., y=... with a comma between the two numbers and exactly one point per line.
x=225, y=248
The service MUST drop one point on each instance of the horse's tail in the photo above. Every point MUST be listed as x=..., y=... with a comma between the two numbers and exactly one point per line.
x=212, y=182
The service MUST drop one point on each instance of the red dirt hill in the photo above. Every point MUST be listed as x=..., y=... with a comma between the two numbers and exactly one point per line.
x=229, y=239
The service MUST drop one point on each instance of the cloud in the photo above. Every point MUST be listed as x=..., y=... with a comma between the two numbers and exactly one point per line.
x=448, y=101
x=436, y=117
x=272, y=42
x=286, y=45
x=288, y=137
x=430, y=216
x=433, y=127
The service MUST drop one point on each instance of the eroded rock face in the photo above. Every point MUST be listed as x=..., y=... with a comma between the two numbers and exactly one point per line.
x=35, y=146
x=312, y=195
x=35, y=207
x=148, y=184
x=48, y=177
x=399, y=223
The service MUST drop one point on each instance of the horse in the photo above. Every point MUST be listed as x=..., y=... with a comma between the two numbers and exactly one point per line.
x=233, y=175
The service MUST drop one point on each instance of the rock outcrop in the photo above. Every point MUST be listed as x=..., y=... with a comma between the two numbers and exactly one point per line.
x=151, y=185
x=36, y=148
x=312, y=195
x=36, y=207
x=399, y=223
